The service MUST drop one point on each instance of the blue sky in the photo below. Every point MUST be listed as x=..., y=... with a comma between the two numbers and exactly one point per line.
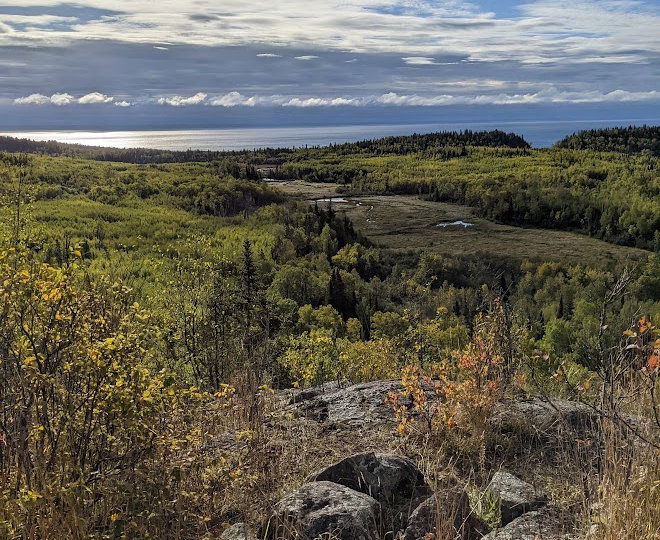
x=96, y=63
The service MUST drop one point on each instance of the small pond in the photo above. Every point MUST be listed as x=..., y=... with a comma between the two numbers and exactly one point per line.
x=458, y=223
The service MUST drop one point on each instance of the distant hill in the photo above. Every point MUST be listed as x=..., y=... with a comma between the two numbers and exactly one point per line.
x=428, y=142
x=628, y=140
x=399, y=145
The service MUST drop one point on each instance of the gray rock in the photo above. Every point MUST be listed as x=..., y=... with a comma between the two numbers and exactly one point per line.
x=325, y=510
x=315, y=391
x=394, y=481
x=515, y=495
x=543, y=524
x=353, y=405
x=238, y=531
x=543, y=415
x=450, y=510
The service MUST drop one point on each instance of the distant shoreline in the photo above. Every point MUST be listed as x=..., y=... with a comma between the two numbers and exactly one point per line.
x=540, y=134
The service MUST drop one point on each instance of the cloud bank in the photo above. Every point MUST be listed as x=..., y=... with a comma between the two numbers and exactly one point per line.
x=63, y=98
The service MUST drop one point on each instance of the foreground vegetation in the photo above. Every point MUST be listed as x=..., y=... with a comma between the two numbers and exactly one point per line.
x=152, y=316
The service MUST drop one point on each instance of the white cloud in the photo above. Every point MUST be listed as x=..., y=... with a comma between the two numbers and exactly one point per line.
x=531, y=93
x=160, y=48
x=269, y=55
x=62, y=99
x=323, y=102
x=419, y=61
x=182, y=101
x=37, y=20
x=95, y=98
x=306, y=57
x=233, y=99
x=32, y=99
x=548, y=95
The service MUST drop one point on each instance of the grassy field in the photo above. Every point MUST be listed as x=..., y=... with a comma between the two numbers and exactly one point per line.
x=403, y=222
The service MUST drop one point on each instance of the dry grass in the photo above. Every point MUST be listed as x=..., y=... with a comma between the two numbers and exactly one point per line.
x=403, y=222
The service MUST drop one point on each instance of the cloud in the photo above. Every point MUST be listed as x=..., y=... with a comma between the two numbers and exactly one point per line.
x=182, y=101
x=419, y=61
x=32, y=99
x=548, y=95
x=122, y=103
x=94, y=98
x=233, y=99
x=64, y=98
x=411, y=52
x=323, y=102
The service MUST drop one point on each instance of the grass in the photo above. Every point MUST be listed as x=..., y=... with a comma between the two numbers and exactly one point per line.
x=402, y=222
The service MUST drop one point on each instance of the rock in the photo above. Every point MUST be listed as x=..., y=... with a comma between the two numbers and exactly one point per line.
x=542, y=415
x=394, y=481
x=315, y=391
x=449, y=509
x=353, y=405
x=325, y=509
x=544, y=524
x=239, y=531
x=516, y=496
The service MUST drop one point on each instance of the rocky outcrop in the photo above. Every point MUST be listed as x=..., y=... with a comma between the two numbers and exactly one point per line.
x=238, y=531
x=353, y=405
x=394, y=481
x=544, y=524
x=326, y=510
x=542, y=415
x=451, y=512
x=516, y=496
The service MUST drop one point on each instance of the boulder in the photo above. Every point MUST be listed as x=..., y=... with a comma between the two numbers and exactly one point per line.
x=544, y=524
x=394, y=481
x=353, y=405
x=326, y=510
x=542, y=415
x=515, y=495
x=450, y=510
x=238, y=531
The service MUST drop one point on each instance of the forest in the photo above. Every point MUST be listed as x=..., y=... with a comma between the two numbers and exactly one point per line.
x=388, y=145
x=147, y=309
x=630, y=140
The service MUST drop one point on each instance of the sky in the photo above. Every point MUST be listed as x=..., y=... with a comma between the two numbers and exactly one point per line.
x=126, y=64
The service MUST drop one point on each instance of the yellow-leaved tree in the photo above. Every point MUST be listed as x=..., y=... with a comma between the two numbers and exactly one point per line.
x=94, y=433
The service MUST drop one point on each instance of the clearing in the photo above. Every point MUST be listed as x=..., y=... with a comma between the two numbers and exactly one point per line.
x=403, y=222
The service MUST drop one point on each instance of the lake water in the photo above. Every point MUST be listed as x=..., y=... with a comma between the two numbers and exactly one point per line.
x=539, y=134
x=459, y=223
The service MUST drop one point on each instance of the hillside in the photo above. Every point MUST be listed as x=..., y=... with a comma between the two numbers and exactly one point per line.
x=431, y=142
x=630, y=140
x=184, y=344
x=612, y=197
